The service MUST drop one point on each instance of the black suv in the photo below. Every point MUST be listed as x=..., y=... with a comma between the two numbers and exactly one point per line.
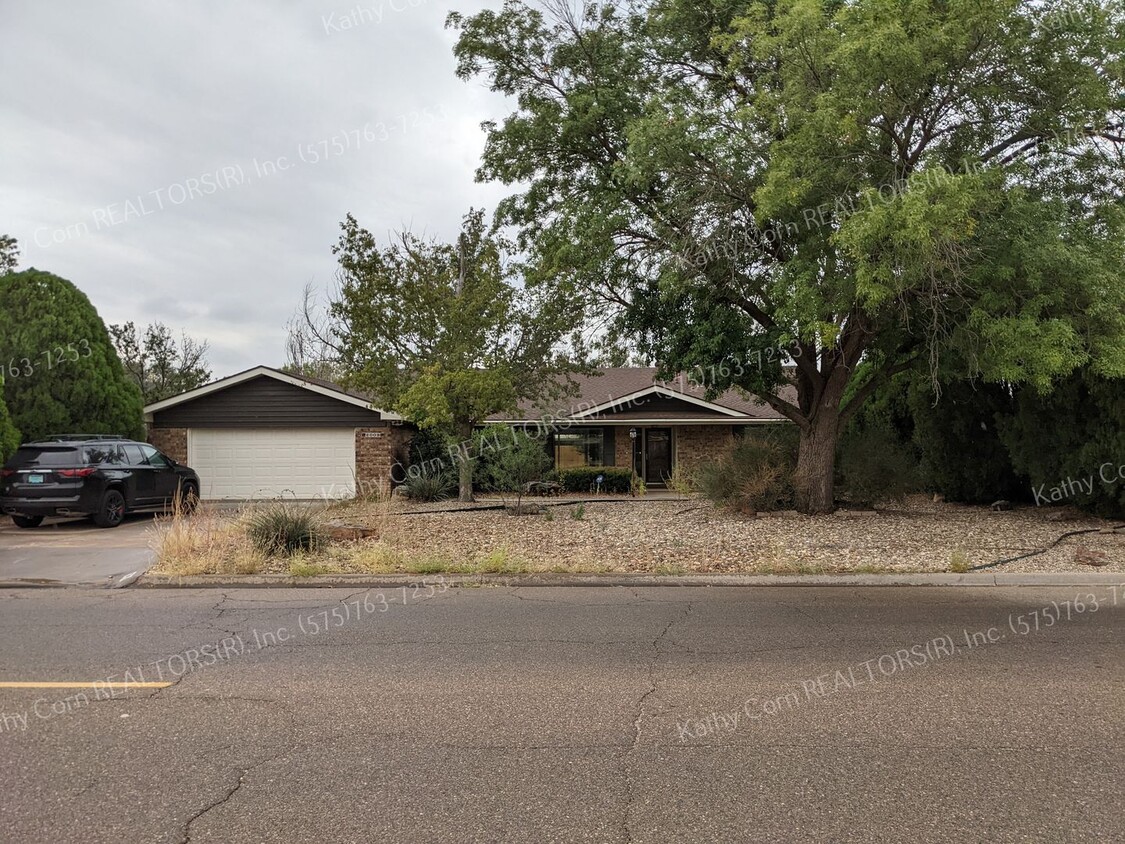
x=98, y=476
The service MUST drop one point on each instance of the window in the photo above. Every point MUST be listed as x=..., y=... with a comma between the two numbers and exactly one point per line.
x=580, y=448
x=46, y=457
x=104, y=454
x=133, y=454
x=154, y=457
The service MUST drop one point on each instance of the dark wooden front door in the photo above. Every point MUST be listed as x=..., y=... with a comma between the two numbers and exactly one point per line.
x=658, y=455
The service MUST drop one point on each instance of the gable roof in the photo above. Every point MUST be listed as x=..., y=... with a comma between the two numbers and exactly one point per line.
x=625, y=392
x=316, y=385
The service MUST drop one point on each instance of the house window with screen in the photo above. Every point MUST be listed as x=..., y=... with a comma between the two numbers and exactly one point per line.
x=579, y=448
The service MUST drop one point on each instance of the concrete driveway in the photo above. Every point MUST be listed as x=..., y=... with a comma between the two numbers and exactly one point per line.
x=73, y=551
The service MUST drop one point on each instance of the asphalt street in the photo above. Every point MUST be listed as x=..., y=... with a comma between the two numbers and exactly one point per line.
x=563, y=715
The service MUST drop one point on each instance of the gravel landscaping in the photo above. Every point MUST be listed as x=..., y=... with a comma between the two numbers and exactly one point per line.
x=692, y=536
x=655, y=536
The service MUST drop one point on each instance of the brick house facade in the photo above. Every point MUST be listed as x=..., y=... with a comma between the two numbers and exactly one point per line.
x=377, y=451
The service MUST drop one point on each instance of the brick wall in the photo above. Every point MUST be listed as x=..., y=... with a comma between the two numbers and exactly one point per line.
x=376, y=456
x=171, y=441
x=697, y=444
x=622, y=448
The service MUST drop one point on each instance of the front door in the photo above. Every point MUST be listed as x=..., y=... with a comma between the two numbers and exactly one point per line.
x=658, y=455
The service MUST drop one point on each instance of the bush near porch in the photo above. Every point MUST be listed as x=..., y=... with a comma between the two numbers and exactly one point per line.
x=584, y=478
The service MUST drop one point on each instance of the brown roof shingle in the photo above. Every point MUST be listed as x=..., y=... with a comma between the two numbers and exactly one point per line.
x=617, y=382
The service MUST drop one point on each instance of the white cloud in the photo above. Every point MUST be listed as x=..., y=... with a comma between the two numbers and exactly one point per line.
x=118, y=116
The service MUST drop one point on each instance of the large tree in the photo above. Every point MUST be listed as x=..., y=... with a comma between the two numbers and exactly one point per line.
x=160, y=365
x=62, y=374
x=443, y=332
x=893, y=182
x=9, y=254
x=9, y=436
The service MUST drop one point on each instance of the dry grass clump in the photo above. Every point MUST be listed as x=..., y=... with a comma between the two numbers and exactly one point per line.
x=204, y=542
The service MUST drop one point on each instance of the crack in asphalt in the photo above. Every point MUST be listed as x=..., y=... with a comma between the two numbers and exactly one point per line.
x=245, y=772
x=630, y=791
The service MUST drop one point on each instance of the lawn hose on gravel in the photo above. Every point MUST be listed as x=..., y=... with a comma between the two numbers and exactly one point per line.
x=1042, y=550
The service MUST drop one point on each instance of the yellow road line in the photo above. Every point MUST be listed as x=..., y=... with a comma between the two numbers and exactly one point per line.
x=97, y=684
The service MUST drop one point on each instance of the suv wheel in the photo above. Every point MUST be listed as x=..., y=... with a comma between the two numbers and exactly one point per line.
x=111, y=511
x=189, y=498
x=27, y=521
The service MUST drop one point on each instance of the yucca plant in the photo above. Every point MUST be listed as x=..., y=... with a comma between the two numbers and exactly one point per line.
x=284, y=529
x=429, y=485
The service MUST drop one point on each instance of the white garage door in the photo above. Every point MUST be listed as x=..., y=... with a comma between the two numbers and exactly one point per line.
x=270, y=462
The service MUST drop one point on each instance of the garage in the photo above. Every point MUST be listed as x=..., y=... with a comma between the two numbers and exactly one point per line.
x=256, y=463
x=265, y=433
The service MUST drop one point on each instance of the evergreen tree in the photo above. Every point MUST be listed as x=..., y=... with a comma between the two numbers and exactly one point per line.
x=9, y=436
x=1075, y=433
x=62, y=374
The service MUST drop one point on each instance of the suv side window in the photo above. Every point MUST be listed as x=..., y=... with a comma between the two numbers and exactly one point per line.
x=108, y=455
x=133, y=454
x=154, y=457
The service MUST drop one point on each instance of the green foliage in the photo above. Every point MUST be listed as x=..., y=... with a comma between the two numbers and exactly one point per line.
x=281, y=528
x=429, y=483
x=963, y=457
x=740, y=177
x=63, y=374
x=757, y=473
x=875, y=467
x=583, y=478
x=578, y=513
x=509, y=460
x=9, y=436
x=442, y=332
x=428, y=447
x=159, y=365
x=1075, y=432
x=877, y=460
x=9, y=254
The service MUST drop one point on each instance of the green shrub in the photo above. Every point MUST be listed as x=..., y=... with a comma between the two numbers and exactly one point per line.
x=578, y=513
x=1077, y=431
x=428, y=484
x=282, y=528
x=873, y=466
x=583, y=478
x=962, y=455
x=9, y=436
x=518, y=460
x=758, y=473
x=428, y=447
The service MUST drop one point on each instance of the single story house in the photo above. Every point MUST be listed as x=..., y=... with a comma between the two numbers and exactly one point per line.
x=264, y=433
x=623, y=416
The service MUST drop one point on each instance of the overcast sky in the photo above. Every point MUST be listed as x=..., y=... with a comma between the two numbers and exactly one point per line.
x=191, y=162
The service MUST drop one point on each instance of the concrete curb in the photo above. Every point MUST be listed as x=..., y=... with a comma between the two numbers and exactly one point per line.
x=394, y=581
x=113, y=581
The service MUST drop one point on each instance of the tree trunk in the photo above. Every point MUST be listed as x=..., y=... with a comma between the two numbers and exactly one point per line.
x=465, y=465
x=816, y=462
x=465, y=479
